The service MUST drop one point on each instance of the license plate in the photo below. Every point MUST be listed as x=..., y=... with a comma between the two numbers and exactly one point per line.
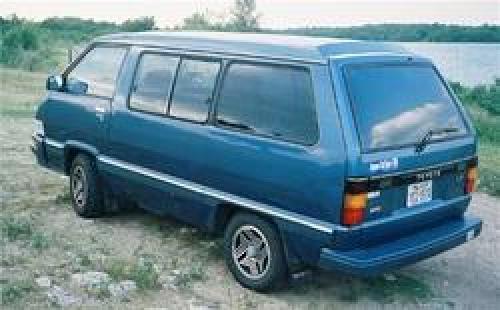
x=419, y=193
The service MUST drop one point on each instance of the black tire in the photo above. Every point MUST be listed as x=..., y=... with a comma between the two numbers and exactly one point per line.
x=274, y=274
x=90, y=204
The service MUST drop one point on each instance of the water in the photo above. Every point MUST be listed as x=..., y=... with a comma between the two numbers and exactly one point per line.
x=467, y=63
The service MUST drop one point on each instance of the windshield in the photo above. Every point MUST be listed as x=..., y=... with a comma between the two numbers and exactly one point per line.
x=397, y=105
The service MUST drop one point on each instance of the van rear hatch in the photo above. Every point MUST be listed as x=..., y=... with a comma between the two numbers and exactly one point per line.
x=414, y=146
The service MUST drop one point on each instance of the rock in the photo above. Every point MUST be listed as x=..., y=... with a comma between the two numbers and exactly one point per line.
x=168, y=281
x=122, y=289
x=176, y=272
x=389, y=277
x=43, y=282
x=198, y=305
x=60, y=297
x=91, y=279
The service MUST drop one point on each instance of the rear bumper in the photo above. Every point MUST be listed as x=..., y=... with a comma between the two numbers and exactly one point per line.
x=406, y=250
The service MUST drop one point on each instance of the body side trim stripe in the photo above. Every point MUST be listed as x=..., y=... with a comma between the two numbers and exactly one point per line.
x=240, y=201
x=54, y=143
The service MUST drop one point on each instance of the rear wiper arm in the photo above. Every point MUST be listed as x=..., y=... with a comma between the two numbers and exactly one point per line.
x=420, y=146
x=236, y=125
x=248, y=128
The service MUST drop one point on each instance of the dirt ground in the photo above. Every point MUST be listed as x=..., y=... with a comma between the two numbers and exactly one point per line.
x=177, y=267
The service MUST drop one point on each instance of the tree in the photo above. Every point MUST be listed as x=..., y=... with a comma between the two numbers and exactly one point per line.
x=244, y=17
x=197, y=21
x=139, y=24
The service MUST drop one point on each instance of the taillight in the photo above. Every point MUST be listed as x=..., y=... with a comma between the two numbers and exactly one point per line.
x=355, y=201
x=471, y=177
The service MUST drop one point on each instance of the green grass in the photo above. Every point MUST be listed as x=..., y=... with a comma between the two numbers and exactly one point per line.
x=489, y=168
x=407, y=288
x=13, y=291
x=15, y=229
x=143, y=272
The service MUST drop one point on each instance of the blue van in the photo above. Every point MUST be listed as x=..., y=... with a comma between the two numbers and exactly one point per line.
x=304, y=152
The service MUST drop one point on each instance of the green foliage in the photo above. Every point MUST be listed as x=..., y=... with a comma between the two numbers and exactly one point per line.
x=484, y=96
x=406, y=32
x=23, y=43
x=198, y=21
x=15, y=229
x=24, y=37
x=139, y=24
x=39, y=241
x=143, y=272
x=244, y=17
x=13, y=291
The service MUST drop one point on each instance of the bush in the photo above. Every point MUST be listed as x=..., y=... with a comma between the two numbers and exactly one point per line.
x=485, y=96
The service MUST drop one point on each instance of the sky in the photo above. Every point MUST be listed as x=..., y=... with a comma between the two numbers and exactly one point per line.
x=274, y=13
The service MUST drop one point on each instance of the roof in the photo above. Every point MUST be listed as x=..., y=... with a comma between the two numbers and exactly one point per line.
x=309, y=49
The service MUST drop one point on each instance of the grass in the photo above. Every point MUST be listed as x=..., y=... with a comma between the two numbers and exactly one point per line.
x=143, y=272
x=405, y=287
x=16, y=229
x=13, y=291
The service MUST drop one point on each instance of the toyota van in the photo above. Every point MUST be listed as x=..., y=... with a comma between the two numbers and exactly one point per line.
x=351, y=156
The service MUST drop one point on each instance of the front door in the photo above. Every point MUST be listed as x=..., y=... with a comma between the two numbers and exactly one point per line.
x=79, y=113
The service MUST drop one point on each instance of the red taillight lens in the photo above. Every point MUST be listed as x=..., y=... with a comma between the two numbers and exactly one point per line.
x=471, y=178
x=354, y=208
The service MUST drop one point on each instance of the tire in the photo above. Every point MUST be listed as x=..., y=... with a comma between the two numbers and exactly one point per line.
x=249, y=266
x=85, y=191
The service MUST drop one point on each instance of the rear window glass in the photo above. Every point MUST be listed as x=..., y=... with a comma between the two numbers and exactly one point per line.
x=397, y=105
x=274, y=101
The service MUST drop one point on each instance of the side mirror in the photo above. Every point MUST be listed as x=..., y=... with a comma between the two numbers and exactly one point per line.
x=54, y=83
x=76, y=87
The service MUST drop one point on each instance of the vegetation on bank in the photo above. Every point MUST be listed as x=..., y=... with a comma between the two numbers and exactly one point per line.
x=406, y=32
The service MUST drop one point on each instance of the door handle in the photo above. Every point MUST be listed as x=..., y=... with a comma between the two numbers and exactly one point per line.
x=99, y=112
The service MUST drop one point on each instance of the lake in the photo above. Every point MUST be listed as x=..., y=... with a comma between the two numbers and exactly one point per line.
x=467, y=63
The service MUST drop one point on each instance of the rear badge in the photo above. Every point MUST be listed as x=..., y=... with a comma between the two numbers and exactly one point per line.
x=375, y=209
x=373, y=195
x=384, y=165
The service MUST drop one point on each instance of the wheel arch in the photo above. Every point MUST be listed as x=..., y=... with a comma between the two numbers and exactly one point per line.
x=72, y=149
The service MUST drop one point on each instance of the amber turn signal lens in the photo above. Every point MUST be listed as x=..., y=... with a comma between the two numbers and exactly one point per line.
x=354, y=205
x=471, y=178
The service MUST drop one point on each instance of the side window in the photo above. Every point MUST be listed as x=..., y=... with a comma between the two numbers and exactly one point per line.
x=152, y=83
x=98, y=71
x=274, y=101
x=193, y=89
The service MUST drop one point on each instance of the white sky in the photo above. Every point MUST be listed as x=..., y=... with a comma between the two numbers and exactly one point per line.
x=275, y=13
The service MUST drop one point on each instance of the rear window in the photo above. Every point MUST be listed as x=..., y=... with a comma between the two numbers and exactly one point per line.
x=396, y=105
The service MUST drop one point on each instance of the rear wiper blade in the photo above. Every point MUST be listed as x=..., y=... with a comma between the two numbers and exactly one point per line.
x=420, y=146
x=236, y=125
x=248, y=128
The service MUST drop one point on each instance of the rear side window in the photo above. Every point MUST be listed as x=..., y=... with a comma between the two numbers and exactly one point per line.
x=193, y=91
x=99, y=69
x=152, y=83
x=269, y=100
